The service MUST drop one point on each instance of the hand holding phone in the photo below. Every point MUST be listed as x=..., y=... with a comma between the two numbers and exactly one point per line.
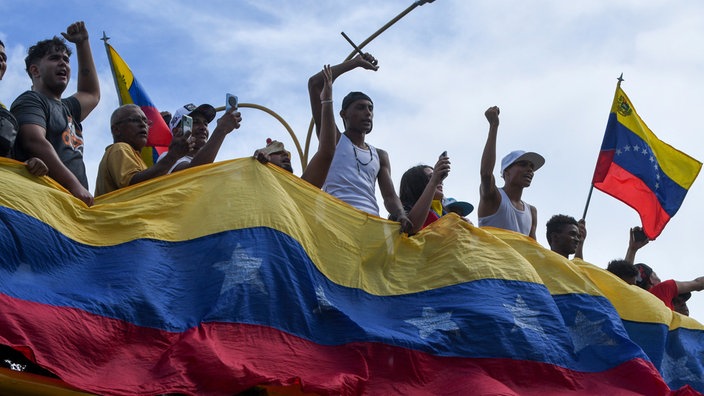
x=231, y=102
x=444, y=169
x=186, y=124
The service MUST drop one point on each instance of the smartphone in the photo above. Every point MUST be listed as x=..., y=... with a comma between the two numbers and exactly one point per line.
x=443, y=155
x=186, y=124
x=639, y=235
x=230, y=102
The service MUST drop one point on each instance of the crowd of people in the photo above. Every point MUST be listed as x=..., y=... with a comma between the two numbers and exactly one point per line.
x=44, y=130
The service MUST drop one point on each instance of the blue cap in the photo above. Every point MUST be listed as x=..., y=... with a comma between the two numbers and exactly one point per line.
x=461, y=207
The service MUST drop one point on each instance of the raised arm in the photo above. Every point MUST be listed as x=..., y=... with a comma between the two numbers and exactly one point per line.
x=635, y=242
x=489, y=196
x=206, y=155
x=88, y=86
x=317, y=170
x=33, y=138
x=317, y=82
x=392, y=203
x=419, y=211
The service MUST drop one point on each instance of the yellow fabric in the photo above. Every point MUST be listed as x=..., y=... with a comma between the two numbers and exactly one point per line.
x=350, y=247
x=123, y=75
x=119, y=164
x=680, y=167
x=436, y=206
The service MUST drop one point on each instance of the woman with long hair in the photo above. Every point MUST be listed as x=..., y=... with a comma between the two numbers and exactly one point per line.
x=421, y=192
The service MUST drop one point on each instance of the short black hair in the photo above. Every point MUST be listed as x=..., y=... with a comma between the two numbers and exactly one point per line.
x=40, y=49
x=556, y=223
x=622, y=268
x=1, y=43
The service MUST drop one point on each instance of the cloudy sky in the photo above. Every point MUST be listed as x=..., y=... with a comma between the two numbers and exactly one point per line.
x=550, y=65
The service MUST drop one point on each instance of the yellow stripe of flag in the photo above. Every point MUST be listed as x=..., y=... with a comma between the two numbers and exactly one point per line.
x=123, y=76
x=349, y=247
x=680, y=167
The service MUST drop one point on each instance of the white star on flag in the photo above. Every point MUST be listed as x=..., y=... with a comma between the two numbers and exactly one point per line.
x=323, y=302
x=524, y=317
x=585, y=332
x=432, y=321
x=676, y=369
x=241, y=269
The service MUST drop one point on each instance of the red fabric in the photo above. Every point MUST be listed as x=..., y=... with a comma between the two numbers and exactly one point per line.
x=226, y=358
x=665, y=291
x=159, y=133
x=432, y=217
x=620, y=184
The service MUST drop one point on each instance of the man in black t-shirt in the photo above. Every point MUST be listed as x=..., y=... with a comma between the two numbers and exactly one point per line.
x=8, y=128
x=50, y=127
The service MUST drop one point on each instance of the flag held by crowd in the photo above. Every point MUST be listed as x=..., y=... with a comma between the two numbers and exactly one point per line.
x=237, y=274
x=130, y=91
x=639, y=169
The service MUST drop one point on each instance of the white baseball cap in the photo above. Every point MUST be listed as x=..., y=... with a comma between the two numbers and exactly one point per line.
x=206, y=110
x=519, y=155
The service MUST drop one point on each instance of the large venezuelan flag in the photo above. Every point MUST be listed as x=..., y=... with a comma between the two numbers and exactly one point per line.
x=129, y=91
x=637, y=168
x=230, y=275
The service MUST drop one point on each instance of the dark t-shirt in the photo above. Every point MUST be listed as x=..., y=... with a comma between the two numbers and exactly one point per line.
x=62, y=121
x=8, y=131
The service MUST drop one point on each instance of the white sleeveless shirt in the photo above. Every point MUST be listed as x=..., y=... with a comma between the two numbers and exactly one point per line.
x=352, y=176
x=508, y=217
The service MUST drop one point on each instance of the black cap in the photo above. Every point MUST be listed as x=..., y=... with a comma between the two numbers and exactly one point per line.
x=353, y=97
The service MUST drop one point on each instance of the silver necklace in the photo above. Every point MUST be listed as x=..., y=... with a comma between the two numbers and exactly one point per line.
x=371, y=157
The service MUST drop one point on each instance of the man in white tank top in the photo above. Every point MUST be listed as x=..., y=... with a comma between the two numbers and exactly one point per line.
x=357, y=166
x=503, y=207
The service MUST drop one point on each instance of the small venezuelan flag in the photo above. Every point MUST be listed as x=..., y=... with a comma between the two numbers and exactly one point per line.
x=129, y=91
x=639, y=169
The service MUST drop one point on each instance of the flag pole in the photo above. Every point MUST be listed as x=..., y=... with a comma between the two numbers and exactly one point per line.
x=589, y=198
x=591, y=188
x=417, y=3
x=105, y=39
